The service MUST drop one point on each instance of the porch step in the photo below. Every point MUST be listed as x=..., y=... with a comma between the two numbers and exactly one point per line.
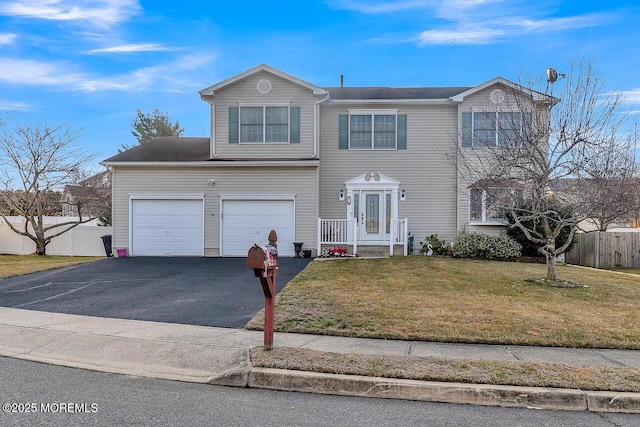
x=373, y=251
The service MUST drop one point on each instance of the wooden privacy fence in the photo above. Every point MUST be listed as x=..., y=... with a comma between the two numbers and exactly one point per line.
x=606, y=249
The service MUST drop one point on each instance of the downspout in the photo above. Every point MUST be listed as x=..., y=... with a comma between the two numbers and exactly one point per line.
x=457, y=148
x=316, y=118
x=212, y=127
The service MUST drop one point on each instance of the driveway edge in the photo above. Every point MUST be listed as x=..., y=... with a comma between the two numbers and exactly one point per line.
x=474, y=394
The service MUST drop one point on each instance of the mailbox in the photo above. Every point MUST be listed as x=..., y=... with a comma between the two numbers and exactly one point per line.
x=262, y=257
x=264, y=262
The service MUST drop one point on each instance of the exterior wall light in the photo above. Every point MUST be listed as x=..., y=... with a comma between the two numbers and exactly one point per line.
x=212, y=182
x=403, y=195
x=341, y=195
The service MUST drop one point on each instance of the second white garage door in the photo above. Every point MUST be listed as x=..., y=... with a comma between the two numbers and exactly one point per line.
x=167, y=227
x=246, y=222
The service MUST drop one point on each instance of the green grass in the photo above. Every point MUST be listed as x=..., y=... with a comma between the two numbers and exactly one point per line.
x=16, y=265
x=460, y=300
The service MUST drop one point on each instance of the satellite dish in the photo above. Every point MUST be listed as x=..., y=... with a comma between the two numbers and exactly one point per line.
x=552, y=75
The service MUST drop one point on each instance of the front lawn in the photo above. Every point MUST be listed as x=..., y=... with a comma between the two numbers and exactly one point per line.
x=460, y=300
x=16, y=265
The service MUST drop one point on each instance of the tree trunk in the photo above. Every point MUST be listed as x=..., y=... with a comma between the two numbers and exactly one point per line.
x=550, y=254
x=41, y=248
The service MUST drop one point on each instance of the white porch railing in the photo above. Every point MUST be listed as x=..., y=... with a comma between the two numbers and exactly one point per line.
x=399, y=234
x=345, y=232
x=336, y=232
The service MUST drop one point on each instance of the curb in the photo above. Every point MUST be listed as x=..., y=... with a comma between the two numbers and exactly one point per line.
x=473, y=394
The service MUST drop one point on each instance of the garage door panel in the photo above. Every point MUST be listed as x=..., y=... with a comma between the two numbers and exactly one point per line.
x=246, y=222
x=167, y=227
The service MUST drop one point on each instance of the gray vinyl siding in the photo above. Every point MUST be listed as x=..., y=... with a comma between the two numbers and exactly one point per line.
x=426, y=169
x=479, y=102
x=254, y=181
x=283, y=91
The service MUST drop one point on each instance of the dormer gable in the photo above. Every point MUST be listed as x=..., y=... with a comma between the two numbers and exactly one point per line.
x=535, y=95
x=211, y=90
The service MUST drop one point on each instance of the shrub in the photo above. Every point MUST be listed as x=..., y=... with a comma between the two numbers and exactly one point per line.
x=530, y=248
x=478, y=245
x=437, y=246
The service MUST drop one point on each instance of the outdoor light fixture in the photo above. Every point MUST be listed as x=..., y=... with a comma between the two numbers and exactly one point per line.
x=341, y=195
x=212, y=182
x=348, y=200
x=403, y=195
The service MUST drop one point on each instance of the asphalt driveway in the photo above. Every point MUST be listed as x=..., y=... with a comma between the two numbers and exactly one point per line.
x=219, y=292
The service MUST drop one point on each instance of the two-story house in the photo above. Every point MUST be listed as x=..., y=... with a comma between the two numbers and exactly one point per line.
x=360, y=167
x=92, y=196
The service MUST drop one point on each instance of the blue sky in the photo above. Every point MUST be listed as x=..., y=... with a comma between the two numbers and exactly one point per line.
x=91, y=63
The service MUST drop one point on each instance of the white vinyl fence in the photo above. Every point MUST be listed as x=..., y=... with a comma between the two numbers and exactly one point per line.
x=83, y=240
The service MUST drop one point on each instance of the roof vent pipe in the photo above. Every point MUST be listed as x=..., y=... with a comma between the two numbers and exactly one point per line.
x=341, y=80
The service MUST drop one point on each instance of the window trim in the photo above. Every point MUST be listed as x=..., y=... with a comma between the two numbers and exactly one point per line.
x=496, y=113
x=483, y=220
x=264, y=122
x=373, y=113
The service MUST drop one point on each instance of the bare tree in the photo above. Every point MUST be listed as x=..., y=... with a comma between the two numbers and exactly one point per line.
x=577, y=137
x=40, y=159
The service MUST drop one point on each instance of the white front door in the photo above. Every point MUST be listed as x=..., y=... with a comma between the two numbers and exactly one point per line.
x=372, y=215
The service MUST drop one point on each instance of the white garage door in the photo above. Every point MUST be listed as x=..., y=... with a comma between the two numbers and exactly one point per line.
x=246, y=222
x=167, y=227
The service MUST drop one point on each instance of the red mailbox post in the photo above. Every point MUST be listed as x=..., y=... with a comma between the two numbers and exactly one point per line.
x=264, y=262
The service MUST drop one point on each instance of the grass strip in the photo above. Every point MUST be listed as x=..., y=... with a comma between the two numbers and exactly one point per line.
x=449, y=370
x=17, y=265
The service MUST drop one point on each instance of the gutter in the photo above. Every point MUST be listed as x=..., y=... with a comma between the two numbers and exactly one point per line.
x=202, y=164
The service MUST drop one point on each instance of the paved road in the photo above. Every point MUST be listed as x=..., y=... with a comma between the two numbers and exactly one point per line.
x=111, y=400
x=196, y=291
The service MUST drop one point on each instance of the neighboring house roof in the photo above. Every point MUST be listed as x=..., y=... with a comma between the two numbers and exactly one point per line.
x=211, y=90
x=79, y=191
x=101, y=178
x=399, y=93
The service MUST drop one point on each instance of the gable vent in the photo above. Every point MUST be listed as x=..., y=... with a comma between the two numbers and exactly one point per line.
x=497, y=96
x=264, y=86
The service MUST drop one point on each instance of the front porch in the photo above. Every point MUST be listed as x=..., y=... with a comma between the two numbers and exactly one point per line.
x=348, y=233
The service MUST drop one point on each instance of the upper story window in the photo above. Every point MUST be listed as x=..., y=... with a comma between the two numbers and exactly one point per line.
x=264, y=124
x=491, y=129
x=373, y=130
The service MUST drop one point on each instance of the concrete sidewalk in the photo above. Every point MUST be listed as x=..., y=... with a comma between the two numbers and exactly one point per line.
x=221, y=356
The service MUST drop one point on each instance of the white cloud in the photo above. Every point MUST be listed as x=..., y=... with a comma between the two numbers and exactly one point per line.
x=102, y=13
x=172, y=77
x=375, y=7
x=465, y=36
x=7, y=105
x=131, y=48
x=470, y=32
x=630, y=96
x=7, y=38
x=21, y=71
x=475, y=21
